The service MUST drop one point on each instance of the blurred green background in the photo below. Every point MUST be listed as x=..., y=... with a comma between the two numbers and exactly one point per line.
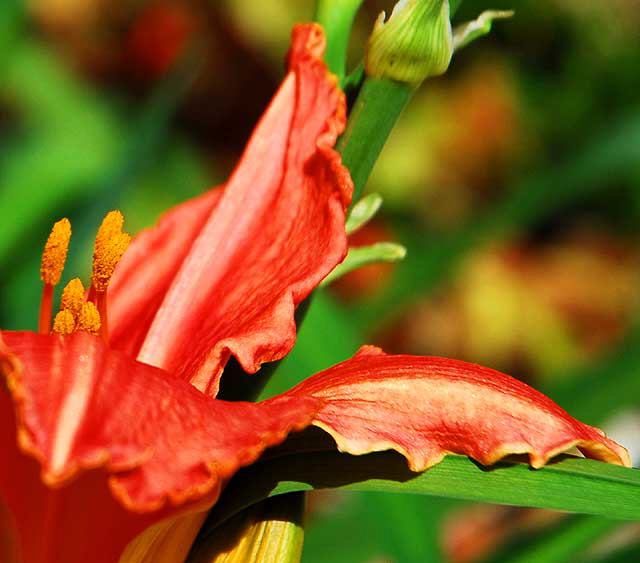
x=513, y=181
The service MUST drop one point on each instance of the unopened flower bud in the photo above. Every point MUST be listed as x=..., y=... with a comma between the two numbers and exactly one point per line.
x=413, y=44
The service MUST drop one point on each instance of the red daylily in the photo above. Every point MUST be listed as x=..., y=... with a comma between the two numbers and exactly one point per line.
x=121, y=429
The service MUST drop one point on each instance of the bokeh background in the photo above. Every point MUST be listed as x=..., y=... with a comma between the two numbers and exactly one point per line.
x=513, y=181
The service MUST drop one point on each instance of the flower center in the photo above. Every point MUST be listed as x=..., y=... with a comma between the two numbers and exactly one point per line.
x=79, y=310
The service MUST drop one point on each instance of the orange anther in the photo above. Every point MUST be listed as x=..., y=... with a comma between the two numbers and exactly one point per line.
x=73, y=297
x=89, y=319
x=110, y=245
x=55, y=252
x=111, y=226
x=64, y=322
x=106, y=259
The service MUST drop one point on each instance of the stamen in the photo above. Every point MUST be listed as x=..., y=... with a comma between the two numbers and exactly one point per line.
x=76, y=312
x=46, y=307
x=106, y=256
x=73, y=297
x=55, y=252
x=64, y=322
x=110, y=245
x=53, y=259
x=111, y=225
x=89, y=319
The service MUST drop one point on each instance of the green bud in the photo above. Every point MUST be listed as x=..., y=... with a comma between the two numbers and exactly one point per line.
x=413, y=44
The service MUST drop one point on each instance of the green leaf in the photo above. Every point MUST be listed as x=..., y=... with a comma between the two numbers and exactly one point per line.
x=359, y=256
x=470, y=31
x=571, y=484
x=362, y=212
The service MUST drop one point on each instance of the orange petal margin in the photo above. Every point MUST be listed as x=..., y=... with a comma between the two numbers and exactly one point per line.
x=427, y=407
x=154, y=443
x=231, y=282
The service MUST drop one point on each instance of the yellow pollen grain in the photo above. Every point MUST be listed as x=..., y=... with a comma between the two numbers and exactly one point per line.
x=55, y=252
x=89, y=319
x=73, y=297
x=106, y=258
x=64, y=322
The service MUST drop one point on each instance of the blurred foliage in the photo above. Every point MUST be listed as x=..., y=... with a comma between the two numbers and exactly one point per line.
x=513, y=181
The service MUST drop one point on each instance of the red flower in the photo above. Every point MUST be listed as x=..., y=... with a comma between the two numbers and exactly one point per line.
x=117, y=426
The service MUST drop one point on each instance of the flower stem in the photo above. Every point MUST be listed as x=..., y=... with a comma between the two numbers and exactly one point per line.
x=373, y=116
x=336, y=17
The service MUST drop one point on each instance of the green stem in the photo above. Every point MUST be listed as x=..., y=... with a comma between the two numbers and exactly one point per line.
x=336, y=17
x=374, y=114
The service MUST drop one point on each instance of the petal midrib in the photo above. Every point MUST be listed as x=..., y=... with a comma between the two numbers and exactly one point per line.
x=72, y=410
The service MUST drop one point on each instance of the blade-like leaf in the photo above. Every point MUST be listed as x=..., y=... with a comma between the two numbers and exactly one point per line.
x=571, y=484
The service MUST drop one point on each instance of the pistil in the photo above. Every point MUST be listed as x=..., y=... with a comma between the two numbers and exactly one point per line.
x=53, y=259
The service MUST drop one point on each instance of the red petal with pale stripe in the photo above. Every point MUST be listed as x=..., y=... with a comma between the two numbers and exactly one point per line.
x=231, y=283
x=155, y=440
x=148, y=267
x=426, y=408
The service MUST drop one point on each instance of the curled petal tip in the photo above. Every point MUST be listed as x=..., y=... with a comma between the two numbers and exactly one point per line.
x=256, y=249
x=425, y=408
x=308, y=40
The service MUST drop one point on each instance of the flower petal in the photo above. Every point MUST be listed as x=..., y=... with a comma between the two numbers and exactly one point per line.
x=275, y=233
x=148, y=267
x=425, y=408
x=155, y=440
